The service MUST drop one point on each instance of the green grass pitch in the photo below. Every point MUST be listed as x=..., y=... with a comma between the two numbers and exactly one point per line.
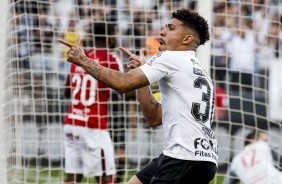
x=56, y=176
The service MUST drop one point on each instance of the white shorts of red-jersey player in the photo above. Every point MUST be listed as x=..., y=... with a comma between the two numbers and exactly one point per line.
x=88, y=151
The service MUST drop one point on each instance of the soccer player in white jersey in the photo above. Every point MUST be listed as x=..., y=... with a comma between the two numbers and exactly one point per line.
x=254, y=164
x=190, y=150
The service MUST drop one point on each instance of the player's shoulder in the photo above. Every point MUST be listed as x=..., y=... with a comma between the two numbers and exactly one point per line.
x=157, y=56
x=173, y=53
x=160, y=54
x=164, y=56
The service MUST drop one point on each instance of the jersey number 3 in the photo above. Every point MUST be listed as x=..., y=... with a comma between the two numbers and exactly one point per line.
x=202, y=117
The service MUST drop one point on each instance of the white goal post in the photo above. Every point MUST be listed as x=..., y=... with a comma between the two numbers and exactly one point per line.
x=204, y=52
x=245, y=35
x=275, y=88
x=4, y=127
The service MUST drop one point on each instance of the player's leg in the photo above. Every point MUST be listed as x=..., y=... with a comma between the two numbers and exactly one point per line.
x=134, y=180
x=73, y=167
x=120, y=152
x=73, y=178
x=108, y=160
x=200, y=171
x=145, y=175
x=105, y=179
x=98, y=157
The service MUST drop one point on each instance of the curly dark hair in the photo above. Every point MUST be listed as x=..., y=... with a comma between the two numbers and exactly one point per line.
x=194, y=21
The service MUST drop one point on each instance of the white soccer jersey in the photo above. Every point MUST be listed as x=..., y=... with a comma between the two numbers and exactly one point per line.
x=187, y=104
x=254, y=165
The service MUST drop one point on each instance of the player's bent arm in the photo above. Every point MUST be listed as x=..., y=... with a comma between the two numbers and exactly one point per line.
x=121, y=82
x=151, y=109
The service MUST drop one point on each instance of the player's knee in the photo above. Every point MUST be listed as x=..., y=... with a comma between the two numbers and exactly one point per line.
x=73, y=178
x=108, y=180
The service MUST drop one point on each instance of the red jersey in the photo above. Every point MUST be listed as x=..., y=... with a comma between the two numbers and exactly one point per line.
x=220, y=103
x=88, y=96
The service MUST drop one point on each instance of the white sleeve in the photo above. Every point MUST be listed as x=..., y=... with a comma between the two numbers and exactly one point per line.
x=158, y=67
x=152, y=73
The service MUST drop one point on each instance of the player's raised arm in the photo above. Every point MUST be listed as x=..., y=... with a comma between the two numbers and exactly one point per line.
x=121, y=82
x=134, y=61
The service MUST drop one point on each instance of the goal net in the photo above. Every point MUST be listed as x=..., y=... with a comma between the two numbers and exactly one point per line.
x=243, y=57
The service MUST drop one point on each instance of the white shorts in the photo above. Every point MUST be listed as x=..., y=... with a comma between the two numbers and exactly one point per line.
x=84, y=150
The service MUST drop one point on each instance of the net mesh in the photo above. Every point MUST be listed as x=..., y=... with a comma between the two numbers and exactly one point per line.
x=244, y=62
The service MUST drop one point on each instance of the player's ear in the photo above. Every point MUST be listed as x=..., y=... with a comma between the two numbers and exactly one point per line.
x=187, y=39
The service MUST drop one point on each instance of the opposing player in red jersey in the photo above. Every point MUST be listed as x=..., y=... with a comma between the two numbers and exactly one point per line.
x=89, y=150
x=221, y=103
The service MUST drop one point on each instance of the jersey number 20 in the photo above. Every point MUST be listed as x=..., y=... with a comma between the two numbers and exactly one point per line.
x=81, y=85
